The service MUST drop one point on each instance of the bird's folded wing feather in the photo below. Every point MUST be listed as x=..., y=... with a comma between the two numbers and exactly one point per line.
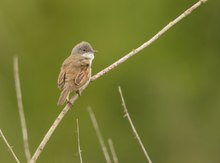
x=66, y=68
x=61, y=80
x=82, y=76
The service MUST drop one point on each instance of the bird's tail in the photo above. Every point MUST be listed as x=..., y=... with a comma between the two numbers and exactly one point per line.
x=63, y=97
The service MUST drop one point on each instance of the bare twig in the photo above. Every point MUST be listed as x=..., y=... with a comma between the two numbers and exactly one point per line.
x=21, y=110
x=99, y=135
x=51, y=130
x=112, y=149
x=9, y=147
x=146, y=44
x=78, y=140
x=132, y=126
x=106, y=70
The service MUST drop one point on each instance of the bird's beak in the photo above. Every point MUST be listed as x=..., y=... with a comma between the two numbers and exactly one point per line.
x=95, y=51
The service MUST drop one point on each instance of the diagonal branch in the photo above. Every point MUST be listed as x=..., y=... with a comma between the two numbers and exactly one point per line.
x=52, y=129
x=146, y=44
x=106, y=70
x=9, y=147
x=21, y=110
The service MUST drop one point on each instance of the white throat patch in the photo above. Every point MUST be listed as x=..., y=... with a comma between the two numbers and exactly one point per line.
x=89, y=55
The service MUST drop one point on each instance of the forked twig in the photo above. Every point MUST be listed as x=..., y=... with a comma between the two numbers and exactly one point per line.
x=112, y=149
x=99, y=135
x=78, y=140
x=132, y=126
x=9, y=147
x=21, y=110
x=106, y=70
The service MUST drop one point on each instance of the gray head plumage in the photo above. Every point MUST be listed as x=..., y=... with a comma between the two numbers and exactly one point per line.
x=82, y=47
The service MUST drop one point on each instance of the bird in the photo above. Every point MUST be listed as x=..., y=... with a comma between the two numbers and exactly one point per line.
x=75, y=72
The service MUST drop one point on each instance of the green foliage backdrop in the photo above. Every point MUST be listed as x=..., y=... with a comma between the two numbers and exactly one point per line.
x=172, y=88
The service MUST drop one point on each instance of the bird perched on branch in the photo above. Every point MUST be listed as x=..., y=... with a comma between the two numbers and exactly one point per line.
x=75, y=71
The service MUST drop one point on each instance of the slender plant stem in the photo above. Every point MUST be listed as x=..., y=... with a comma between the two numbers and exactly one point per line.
x=78, y=140
x=21, y=110
x=52, y=128
x=106, y=70
x=132, y=126
x=112, y=149
x=9, y=147
x=99, y=135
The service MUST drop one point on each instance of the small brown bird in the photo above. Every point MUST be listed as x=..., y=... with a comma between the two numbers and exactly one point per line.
x=75, y=71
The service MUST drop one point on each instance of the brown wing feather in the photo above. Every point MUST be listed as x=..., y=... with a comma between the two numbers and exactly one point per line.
x=82, y=77
x=66, y=68
x=84, y=74
x=61, y=80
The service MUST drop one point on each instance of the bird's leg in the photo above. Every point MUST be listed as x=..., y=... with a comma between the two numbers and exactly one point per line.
x=68, y=100
x=78, y=92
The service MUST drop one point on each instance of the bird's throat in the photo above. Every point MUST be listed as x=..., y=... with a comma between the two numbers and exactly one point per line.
x=89, y=55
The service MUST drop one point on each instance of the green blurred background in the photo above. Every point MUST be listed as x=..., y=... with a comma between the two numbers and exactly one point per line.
x=172, y=88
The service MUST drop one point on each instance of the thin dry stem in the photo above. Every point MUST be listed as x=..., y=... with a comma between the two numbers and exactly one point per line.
x=52, y=128
x=106, y=70
x=146, y=44
x=132, y=126
x=99, y=135
x=78, y=140
x=21, y=110
x=112, y=149
x=9, y=147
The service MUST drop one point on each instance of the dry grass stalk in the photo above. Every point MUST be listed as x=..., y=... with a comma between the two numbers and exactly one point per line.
x=21, y=110
x=99, y=135
x=132, y=126
x=112, y=149
x=9, y=147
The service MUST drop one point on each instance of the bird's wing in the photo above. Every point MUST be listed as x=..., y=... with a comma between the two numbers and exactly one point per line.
x=84, y=74
x=61, y=79
x=65, y=69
